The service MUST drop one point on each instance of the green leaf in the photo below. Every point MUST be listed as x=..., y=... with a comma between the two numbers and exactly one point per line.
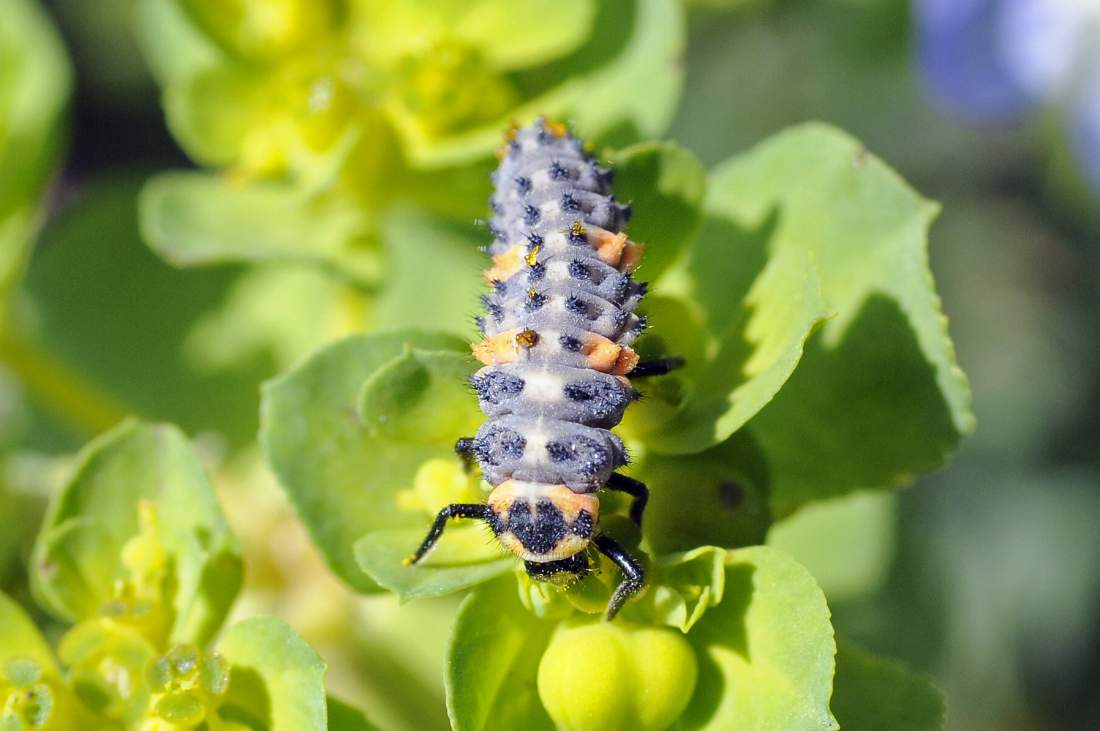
x=665, y=183
x=34, y=88
x=463, y=558
x=260, y=32
x=77, y=554
x=880, y=379
x=276, y=680
x=20, y=639
x=847, y=543
x=621, y=85
x=517, y=34
x=211, y=112
x=718, y=497
x=766, y=652
x=492, y=661
x=811, y=208
x=173, y=47
x=342, y=717
x=107, y=321
x=760, y=333
x=875, y=694
x=433, y=277
x=195, y=219
x=342, y=476
x=418, y=397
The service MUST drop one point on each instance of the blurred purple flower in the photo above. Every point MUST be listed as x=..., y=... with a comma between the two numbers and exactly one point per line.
x=1084, y=131
x=995, y=60
x=959, y=47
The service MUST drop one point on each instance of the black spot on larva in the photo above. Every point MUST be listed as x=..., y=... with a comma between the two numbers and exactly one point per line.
x=601, y=398
x=584, y=454
x=534, y=301
x=495, y=207
x=622, y=286
x=499, y=444
x=523, y=184
x=495, y=386
x=577, y=236
x=493, y=308
x=579, y=270
x=536, y=271
x=640, y=325
x=531, y=215
x=498, y=286
x=584, y=524
x=576, y=305
x=569, y=203
x=541, y=532
x=533, y=240
x=479, y=321
x=495, y=521
x=606, y=176
x=570, y=343
x=576, y=566
x=557, y=171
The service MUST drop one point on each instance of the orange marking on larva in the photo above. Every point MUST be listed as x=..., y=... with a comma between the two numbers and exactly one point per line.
x=626, y=361
x=600, y=353
x=632, y=257
x=506, y=264
x=533, y=255
x=497, y=349
x=512, y=130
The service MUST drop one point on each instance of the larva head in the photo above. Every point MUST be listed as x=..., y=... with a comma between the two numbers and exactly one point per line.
x=545, y=525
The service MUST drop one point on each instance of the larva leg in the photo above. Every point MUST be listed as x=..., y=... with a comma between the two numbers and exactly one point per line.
x=455, y=510
x=633, y=573
x=464, y=448
x=632, y=487
x=656, y=367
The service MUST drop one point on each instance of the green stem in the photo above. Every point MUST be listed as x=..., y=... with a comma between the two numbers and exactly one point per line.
x=60, y=389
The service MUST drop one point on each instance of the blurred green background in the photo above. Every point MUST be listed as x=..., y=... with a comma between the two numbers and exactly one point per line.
x=986, y=575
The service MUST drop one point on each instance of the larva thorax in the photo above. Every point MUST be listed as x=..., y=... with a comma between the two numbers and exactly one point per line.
x=558, y=327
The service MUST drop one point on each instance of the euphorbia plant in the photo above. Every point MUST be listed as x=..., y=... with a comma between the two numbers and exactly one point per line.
x=794, y=280
x=319, y=117
x=136, y=560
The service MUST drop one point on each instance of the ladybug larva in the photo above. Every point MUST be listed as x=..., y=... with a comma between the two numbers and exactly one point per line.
x=557, y=332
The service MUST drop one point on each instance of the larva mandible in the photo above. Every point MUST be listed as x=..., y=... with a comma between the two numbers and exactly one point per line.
x=558, y=327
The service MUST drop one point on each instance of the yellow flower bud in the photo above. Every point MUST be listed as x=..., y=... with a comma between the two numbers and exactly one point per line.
x=616, y=676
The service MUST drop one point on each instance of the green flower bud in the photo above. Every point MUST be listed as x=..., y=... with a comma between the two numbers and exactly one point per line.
x=438, y=483
x=106, y=661
x=616, y=676
x=25, y=702
x=184, y=682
